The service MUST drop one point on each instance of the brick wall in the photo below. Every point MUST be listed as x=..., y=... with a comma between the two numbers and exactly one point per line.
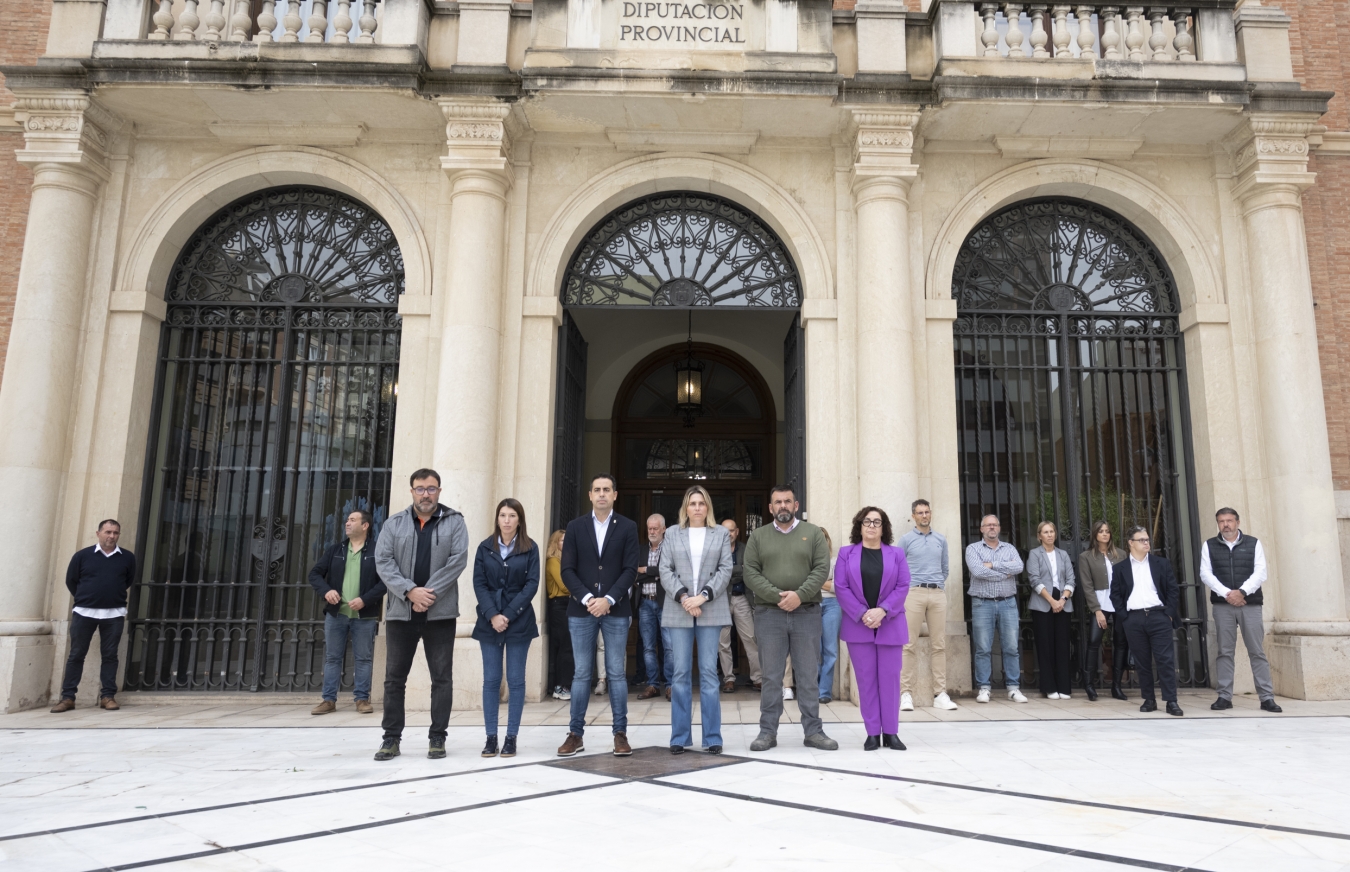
x=1322, y=64
x=24, y=26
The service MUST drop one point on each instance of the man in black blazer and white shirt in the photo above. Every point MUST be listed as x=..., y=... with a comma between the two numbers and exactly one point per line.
x=1144, y=589
x=599, y=564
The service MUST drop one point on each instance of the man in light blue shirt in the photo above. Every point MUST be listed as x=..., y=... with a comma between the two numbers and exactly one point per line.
x=994, y=566
x=926, y=552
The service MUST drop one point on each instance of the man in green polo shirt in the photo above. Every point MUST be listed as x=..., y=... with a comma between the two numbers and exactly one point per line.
x=786, y=563
x=346, y=578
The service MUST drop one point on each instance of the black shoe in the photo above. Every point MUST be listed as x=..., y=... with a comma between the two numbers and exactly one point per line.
x=677, y=749
x=714, y=749
x=893, y=741
x=509, y=747
x=388, y=750
x=1174, y=710
x=872, y=743
x=1220, y=704
x=436, y=749
x=1116, y=692
x=1269, y=705
x=825, y=700
x=1150, y=705
x=490, y=749
x=1091, y=693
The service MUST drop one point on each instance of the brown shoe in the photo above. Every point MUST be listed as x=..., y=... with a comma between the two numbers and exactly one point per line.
x=667, y=694
x=756, y=687
x=729, y=686
x=64, y=705
x=649, y=692
x=621, y=746
x=324, y=708
x=363, y=707
x=106, y=702
x=571, y=746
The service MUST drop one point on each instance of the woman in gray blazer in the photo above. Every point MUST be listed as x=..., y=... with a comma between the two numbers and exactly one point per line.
x=695, y=571
x=1094, y=574
x=1050, y=572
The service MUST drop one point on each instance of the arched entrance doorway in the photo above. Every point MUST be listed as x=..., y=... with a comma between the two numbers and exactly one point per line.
x=273, y=419
x=1071, y=393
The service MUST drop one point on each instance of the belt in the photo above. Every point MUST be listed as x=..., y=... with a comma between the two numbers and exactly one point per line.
x=995, y=599
x=926, y=584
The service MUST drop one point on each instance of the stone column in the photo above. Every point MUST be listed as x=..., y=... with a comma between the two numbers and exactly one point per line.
x=64, y=149
x=467, y=393
x=1311, y=646
x=882, y=173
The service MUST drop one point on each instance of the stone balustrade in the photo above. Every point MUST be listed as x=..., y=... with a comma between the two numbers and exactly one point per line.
x=312, y=21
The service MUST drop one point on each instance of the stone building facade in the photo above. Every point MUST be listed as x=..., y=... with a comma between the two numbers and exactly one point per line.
x=1045, y=261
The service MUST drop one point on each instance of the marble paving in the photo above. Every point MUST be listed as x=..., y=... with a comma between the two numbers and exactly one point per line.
x=178, y=787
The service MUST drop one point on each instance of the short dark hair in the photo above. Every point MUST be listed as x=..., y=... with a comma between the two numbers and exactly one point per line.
x=106, y=521
x=1227, y=511
x=782, y=489
x=1129, y=534
x=365, y=516
x=613, y=482
x=856, y=536
x=424, y=473
x=914, y=506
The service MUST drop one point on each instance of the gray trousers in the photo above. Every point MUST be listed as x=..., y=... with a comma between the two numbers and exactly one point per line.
x=743, y=614
x=1227, y=620
x=780, y=633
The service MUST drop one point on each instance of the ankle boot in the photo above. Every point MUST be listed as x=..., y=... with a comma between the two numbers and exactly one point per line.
x=1116, y=692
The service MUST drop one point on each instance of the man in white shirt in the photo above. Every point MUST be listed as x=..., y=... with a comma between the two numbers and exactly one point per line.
x=1233, y=567
x=1144, y=590
x=98, y=579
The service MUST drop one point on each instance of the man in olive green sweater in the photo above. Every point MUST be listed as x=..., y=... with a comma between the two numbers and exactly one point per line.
x=786, y=563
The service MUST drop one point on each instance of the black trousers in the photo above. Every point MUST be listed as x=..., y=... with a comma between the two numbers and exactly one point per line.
x=81, y=634
x=1053, y=657
x=560, y=663
x=1120, y=650
x=400, y=644
x=1151, y=640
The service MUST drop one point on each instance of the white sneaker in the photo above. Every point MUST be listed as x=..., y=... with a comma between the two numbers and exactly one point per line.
x=787, y=693
x=983, y=695
x=944, y=702
x=1051, y=695
x=600, y=688
x=1066, y=696
x=906, y=702
x=1016, y=695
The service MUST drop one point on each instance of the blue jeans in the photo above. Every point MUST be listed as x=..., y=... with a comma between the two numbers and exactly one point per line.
x=682, y=689
x=516, y=653
x=584, y=631
x=655, y=647
x=985, y=615
x=831, y=616
x=337, y=629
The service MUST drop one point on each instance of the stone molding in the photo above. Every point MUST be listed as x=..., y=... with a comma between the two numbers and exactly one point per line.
x=477, y=138
x=1270, y=155
x=883, y=149
x=65, y=128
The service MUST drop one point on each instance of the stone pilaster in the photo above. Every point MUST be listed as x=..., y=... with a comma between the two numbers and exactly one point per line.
x=1310, y=649
x=64, y=145
x=883, y=170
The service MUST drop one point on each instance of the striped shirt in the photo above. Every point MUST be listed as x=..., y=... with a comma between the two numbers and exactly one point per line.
x=997, y=581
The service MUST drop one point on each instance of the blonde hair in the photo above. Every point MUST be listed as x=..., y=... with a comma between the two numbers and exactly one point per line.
x=1042, y=525
x=707, y=500
x=555, y=544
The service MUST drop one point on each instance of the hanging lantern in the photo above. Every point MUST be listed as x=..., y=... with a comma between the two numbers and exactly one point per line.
x=689, y=382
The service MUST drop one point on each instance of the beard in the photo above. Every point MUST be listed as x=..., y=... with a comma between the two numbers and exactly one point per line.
x=783, y=517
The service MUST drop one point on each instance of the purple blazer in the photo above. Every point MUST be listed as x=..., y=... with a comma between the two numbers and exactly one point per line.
x=848, y=588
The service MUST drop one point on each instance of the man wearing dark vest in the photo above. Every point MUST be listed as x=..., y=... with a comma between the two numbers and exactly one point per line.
x=1233, y=567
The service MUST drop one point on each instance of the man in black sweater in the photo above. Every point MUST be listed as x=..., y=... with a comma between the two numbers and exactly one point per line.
x=98, y=577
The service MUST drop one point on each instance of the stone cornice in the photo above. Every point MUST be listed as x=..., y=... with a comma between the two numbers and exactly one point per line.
x=65, y=127
x=477, y=138
x=1271, y=151
x=883, y=143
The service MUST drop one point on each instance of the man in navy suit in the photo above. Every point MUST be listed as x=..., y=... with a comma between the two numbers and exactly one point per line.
x=599, y=564
x=1144, y=590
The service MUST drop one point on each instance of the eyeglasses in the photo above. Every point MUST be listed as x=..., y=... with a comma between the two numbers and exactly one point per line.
x=1141, y=541
x=871, y=522
x=426, y=491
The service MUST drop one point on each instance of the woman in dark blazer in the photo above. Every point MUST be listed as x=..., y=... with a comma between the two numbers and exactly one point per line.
x=871, y=581
x=1050, y=572
x=1094, y=574
x=505, y=579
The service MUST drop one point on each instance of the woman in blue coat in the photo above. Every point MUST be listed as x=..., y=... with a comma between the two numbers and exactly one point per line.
x=505, y=579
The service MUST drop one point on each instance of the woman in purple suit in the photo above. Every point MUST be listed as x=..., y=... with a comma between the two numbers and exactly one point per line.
x=871, y=581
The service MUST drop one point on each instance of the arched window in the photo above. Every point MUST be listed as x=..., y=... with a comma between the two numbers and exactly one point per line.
x=273, y=420
x=1071, y=388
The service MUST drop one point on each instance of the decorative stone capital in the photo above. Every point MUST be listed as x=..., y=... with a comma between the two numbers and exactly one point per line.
x=883, y=146
x=477, y=138
x=67, y=128
x=1270, y=155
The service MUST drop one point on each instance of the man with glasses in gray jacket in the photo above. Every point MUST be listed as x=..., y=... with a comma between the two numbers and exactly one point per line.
x=420, y=554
